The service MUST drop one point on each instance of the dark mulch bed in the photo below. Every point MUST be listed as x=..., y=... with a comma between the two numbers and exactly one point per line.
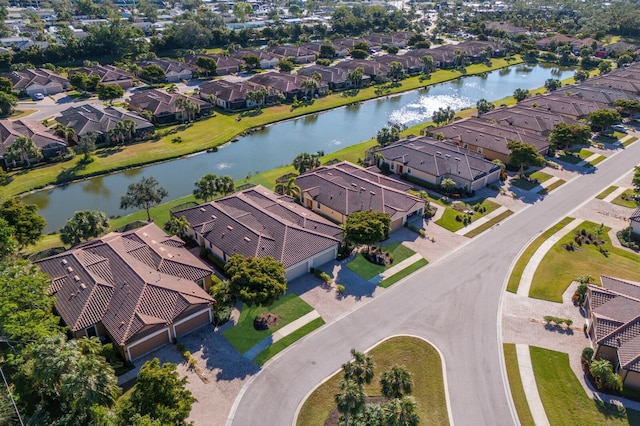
x=334, y=415
x=266, y=321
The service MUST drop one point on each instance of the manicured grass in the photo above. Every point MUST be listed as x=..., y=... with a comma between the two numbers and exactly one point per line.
x=603, y=194
x=541, y=176
x=404, y=273
x=559, y=266
x=629, y=202
x=605, y=139
x=243, y=336
x=418, y=356
x=480, y=229
x=597, y=160
x=281, y=344
x=368, y=270
x=518, y=268
x=515, y=384
x=448, y=220
x=585, y=153
x=551, y=187
x=527, y=185
x=564, y=399
x=629, y=141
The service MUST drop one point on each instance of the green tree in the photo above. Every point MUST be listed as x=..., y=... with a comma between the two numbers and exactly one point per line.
x=427, y=64
x=327, y=51
x=367, y=227
x=603, y=118
x=350, y=400
x=396, y=71
x=360, y=369
x=7, y=103
x=285, y=65
x=636, y=180
x=22, y=150
x=443, y=115
x=256, y=280
x=86, y=145
x=8, y=244
x=604, y=376
x=6, y=86
x=401, y=412
x=83, y=226
x=448, y=185
x=580, y=75
x=178, y=226
x=524, y=155
x=627, y=106
x=144, y=194
x=207, y=64
x=396, y=382
x=152, y=73
x=24, y=219
x=159, y=394
x=356, y=76
x=564, y=135
x=484, y=106
x=306, y=161
x=359, y=54
x=206, y=187
x=388, y=135
x=604, y=67
x=252, y=62
x=552, y=84
x=520, y=94
x=109, y=92
x=226, y=185
x=622, y=60
x=288, y=188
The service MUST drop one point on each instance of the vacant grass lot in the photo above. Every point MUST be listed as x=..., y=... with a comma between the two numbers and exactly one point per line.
x=368, y=270
x=626, y=199
x=523, y=260
x=515, y=384
x=564, y=399
x=559, y=266
x=243, y=336
x=603, y=194
x=448, y=220
x=418, y=356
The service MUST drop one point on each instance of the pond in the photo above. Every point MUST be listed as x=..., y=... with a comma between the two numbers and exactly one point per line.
x=277, y=145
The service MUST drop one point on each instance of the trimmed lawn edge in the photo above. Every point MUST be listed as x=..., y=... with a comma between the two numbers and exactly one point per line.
x=629, y=141
x=603, y=194
x=597, y=160
x=515, y=385
x=282, y=344
x=551, y=187
x=404, y=273
x=521, y=263
x=488, y=224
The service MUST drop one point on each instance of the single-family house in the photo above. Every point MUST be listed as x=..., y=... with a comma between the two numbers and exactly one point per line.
x=614, y=82
x=108, y=75
x=559, y=39
x=165, y=106
x=232, y=95
x=39, y=80
x=510, y=30
x=288, y=85
x=337, y=191
x=535, y=120
x=173, y=71
x=616, y=49
x=225, y=65
x=410, y=64
x=431, y=161
x=598, y=94
x=268, y=60
x=571, y=106
x=44, y=138
x=257, y=222
x=139, y=289
x=99, y=120
x=635, y=221
x=613, y=326
x=335, y=78
x=298, y=54
x=372, y=69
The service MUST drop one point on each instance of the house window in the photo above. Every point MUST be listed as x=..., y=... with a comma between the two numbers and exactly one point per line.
x=465, y=145
x=319, y=206
x=200, y=282
x=91, y=331
x=392, y=165
x=409, y=171
x=480, y=150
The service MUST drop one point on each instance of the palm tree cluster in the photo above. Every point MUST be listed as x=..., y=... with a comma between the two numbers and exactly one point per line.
x=22, y=150
x=257, y=97
x=209, y=185
x=188, y=108
x=396, y=385
x=306, y=161
x=356, y=76
x=123, y=131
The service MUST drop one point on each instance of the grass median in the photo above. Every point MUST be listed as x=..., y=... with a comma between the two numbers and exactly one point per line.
x=404, y=273
x=281, y=344
x=515, y=384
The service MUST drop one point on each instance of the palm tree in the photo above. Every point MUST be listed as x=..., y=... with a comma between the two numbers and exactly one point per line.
x=66, y=133
x=360, y=369
x=206, y=187
x=193, y=109
x=172, y=88
x=252, y=97
x=178, y=226
x=427, y=63
x=395, y=71
x=261, y=95
x=443, y=115
x=351, y=400
x=317, y=76
x=605, y=378
x=119, y=132
x=225, y=184
x=460, y=58
x=401, y=412
x=23, y=150
x=305, y=161
x=356, y=76
x=129, y=128
x=396, y=382
x=310, y=86
x=181, y=106
x=289, y=188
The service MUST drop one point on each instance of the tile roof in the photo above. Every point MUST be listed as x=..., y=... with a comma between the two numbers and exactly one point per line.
x=160, y=102
x=601, y=95
x=532, y=119
x=346, y=188
x=635, y=216
x=257, y=222
x=92, y=118
x=108, y=280
x=24, y=79
x=568, y=105
x=108, y=73
x=228, y=91
x=41, y=136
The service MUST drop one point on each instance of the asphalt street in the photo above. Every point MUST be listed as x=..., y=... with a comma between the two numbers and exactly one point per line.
x=454, y=303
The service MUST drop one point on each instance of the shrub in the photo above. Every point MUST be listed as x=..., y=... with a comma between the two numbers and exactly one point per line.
x=339, y=289
x=326, y=278
x=181, y=348
x=587, y=354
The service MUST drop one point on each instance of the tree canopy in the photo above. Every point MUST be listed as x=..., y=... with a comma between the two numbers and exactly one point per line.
x=256, y=280
x=564, y=135
x=603, y=118
x=109, y=92
x=484, y=106
x=209, y=185
x=520, y=94
x=524, y=155
x=144, y=194
x=367, y=227
x=306, y=161
x=443, y=115
x=24, y=219
x=83, y=226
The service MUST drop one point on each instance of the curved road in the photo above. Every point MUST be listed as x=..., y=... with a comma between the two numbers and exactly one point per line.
x=454, y=303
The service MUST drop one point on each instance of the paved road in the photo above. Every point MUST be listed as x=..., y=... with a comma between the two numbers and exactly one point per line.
x=454, y=303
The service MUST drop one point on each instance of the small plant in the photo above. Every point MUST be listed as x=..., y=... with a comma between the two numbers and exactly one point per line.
x=181, y=348
x=340, y=289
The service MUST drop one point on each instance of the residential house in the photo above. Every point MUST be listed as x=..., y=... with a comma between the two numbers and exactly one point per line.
x=225, y=65
x=268, y=60
x=335, y=78
x=38, y=80
x=257, y=223
x=615, y=49
x=344, y=46
x=535, y=120
x=99, y=120
x=598, y=94
x=165, y=106
x=288, y=85
x=510, y=30
x=140, y=289
x=432, y=161
x=585, y=42
x=173, y=71
x=410, y=64
x=316, y=46
x=298, y=54
x=232, y=95
x=559, y=39
x=44, y=138
x=108, y=75
x=613, y=326
x=337, y=191
x=372, y=69
x=486, y=138
x=635, y=221
x=615, y=82
x=572, y=106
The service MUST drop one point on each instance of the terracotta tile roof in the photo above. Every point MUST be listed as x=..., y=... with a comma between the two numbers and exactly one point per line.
x=41, y=136
x=96, y=119
x=108, y=280
x=108, y=73
x=257, y=222
x=159, y=102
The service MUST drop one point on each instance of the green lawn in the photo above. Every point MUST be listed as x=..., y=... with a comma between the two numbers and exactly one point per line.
x=281, y=344
x=480, y=229
x=368, y=270
x=560, y=266
x=597, y=160
x=527, y=185
x=541, y=176
x=585, y=153
x=448, y=220
x=418, y=356
x=626, y=199
x=515, y=384
x=629, y=141
x=551, y=187
x=603, y=194
x=387, y=282
x=243, y=336
x=564, y=399
x=518, y=268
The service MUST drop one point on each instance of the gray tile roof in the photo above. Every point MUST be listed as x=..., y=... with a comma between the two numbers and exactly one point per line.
x=24, y=79
x=128, y=281
x=635, y=216
x=108, y=73
x=533, y=119
x=347, y=188
x=568, y=105
x=258, y=223
x=97, y=119
x=160, y=102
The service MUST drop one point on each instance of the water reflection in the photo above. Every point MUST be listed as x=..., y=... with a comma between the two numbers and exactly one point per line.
x=97, y=187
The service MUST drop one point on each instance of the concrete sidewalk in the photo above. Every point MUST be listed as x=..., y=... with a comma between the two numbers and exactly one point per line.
x=588, y=160
x=473, y=225
x=278, y=335
x=534, y=262
x=609, y=198
x=395, y=269
x=529, y=385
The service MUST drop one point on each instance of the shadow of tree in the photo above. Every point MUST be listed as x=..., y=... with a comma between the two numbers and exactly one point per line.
x=67, y=175
x=105, y=152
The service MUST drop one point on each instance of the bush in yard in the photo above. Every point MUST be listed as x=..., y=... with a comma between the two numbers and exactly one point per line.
x=587, y=354
x=339, y=289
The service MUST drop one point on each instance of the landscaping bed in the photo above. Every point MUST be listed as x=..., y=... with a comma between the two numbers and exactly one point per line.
x=626, y=199
x=368, y=270
x=456, y=215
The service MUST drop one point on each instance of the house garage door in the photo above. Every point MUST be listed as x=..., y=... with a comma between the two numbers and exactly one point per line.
x=323, y=258
x=191, y=324
x=144, y=347
x=396, y=223
x=296, y=271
